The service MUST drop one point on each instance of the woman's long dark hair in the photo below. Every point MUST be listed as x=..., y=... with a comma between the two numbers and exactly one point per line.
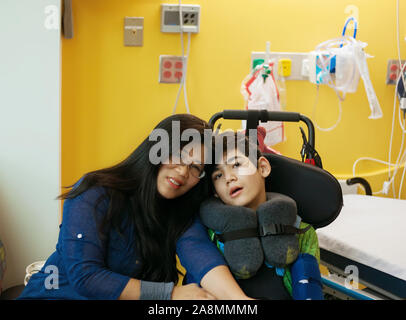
x=131, y=187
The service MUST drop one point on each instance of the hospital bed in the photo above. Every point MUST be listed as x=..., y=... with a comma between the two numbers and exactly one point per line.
x=362, y=254
x=365, y=242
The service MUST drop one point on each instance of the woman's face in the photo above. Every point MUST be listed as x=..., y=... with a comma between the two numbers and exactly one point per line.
x=176, y=178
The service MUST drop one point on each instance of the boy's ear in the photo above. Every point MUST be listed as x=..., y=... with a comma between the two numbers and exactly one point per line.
x=216, y=195
x=264, y=167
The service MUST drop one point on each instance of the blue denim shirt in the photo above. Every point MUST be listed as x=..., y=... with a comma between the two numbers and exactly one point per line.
x=85, y=266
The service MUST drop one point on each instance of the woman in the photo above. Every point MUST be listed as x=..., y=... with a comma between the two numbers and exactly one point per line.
x=122, y=227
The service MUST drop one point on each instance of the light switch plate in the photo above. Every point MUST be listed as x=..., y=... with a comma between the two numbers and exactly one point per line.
x=134, y=31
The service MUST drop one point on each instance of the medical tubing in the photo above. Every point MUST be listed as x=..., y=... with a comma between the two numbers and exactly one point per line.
x=328, y=46
x=340, y=108
x=344, y=88
x=185, y=63
x=402, y=126
x=398, y=43
x=184, y=70
x=392, y=179
x=177, y=98
x=184, y=60
x=393, y=126
x=401, y=75
x=183, y=56
x=401, y=181
x=402, y=160
x=370, y=159
x=355, y=27
x=400, y=157
x=330, y=82
x=360, y=59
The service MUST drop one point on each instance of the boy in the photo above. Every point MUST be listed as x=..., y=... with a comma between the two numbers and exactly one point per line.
x=238, y=179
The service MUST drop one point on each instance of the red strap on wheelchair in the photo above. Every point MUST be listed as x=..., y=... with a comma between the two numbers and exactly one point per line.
x=311, y=161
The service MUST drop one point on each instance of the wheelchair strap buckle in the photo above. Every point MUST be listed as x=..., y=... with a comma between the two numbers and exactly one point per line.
x=274, y=229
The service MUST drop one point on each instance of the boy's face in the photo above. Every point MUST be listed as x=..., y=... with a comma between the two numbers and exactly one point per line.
x=239, y=182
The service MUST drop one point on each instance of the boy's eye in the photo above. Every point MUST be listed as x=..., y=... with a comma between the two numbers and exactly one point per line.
x=236, y=164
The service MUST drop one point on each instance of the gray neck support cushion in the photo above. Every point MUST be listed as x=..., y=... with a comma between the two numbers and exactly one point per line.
x=244, y=256
x=250, y=237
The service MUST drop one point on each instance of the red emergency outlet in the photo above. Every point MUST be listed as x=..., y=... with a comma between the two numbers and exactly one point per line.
x=170, y=69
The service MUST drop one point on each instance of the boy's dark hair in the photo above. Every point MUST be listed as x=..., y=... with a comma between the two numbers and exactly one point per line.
x=221, y=143
x=236, y=140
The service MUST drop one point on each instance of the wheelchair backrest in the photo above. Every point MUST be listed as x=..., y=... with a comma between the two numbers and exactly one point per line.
x=317, y=193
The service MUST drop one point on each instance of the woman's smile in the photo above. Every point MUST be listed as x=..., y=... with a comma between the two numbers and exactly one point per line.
x=175, y=183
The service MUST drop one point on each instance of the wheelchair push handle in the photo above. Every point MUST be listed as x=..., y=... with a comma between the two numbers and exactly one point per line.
x=254, y=116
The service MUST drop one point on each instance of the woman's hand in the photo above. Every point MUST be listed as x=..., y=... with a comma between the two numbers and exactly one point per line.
x=191, y=292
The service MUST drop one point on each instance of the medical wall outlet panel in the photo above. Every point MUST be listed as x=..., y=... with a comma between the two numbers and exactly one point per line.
x=170, y=69
x=285, y=62
x=134, y=31
x=170, y=21
x=317, y=74
x=393, y=71
x=284, y=67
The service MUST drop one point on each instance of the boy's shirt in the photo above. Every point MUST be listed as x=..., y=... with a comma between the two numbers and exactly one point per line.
x=308, y=243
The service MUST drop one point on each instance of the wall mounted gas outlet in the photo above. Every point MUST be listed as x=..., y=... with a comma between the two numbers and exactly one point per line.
x=393, y=71
x=170, y=69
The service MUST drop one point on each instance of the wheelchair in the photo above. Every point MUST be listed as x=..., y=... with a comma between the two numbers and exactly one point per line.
x=317, y=193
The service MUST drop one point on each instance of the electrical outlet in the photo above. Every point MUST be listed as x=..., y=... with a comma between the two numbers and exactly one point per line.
x=393, y=71
x=296, y=58
x=170, y=18
x=170, y=69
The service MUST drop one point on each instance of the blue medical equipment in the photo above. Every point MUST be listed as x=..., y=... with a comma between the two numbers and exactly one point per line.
x=307, y=282
x=340, y=63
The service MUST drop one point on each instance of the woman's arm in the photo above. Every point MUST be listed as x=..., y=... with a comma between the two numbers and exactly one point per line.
x=83, y=251
x=220, y=282
x=132, y=291
x=205, y=265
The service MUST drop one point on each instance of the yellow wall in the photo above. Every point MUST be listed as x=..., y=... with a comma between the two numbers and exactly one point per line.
x=111, y=98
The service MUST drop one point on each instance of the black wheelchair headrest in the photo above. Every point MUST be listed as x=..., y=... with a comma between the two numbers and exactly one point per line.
x=317, y=193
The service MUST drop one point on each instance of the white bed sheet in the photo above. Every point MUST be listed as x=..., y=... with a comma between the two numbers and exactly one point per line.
x=369, y=230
